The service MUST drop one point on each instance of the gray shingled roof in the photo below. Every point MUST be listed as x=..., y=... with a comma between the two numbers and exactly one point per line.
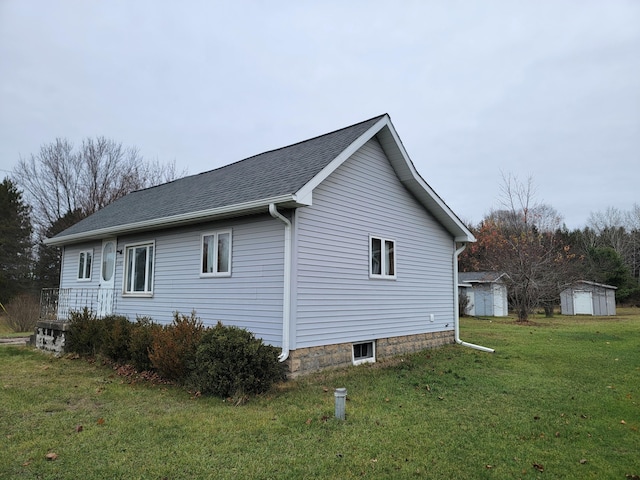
x=267, y=175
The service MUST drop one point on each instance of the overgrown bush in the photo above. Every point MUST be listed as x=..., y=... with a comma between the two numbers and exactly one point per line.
x=113, y=336
x=231, y=362
x=141, y=341
x=22, y=313
x=116, y=341
x=173, y=348
x=85, y=334
x=221, y=361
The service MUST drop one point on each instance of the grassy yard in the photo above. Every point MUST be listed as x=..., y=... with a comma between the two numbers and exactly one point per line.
x=6, y=331
x=560, y=398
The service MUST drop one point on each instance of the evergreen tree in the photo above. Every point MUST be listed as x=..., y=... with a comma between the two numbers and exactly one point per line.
x=47, y=269
x=15, y=242
x=605, y=265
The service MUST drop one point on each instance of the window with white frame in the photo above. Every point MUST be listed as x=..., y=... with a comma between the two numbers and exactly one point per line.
x=216, y=254
x=382, y=258
x=84, y=264
x=364, y=352
x=138, y=272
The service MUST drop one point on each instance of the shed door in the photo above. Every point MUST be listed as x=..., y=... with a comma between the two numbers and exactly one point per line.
x=582, y=303
x=500, y=308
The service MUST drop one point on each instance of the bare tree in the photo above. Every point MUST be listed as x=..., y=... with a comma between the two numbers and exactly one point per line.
x=530, y=251
x=620, y=231
x=610, y=227
x=633, y=222
x=59, y=179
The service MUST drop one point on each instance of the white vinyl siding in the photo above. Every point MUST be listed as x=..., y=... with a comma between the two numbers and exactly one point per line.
x=336, y=299
x=70, y=265
x=251, y=298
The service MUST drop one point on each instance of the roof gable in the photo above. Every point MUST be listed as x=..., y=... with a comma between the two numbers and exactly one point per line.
x=285, y=176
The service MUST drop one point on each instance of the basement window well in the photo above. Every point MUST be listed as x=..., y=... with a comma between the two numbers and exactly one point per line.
x=364, y=353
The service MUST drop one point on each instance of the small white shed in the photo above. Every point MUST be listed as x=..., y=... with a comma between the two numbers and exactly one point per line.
x=487, y=293
x=588, y=298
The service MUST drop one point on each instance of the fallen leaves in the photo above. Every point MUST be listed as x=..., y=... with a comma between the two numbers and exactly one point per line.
x=51, y=456
x=539, y=467
x=78, y=428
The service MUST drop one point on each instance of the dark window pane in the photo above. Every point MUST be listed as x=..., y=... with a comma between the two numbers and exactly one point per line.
x=376, y=256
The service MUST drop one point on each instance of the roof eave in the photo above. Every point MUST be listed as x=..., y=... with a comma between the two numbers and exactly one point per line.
x=407, y=173
x=409, y=176
x=256, y=206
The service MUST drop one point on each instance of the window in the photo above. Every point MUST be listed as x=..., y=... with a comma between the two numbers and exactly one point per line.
x=364, y=353
x=84, y=265
x=382, y=258
x=138, y=278
x=216, y=254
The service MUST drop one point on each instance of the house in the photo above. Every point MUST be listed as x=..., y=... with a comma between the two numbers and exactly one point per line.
x=487, y=293
x=333, y=249
x=588, y=298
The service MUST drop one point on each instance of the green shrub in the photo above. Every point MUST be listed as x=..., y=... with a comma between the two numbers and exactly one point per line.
x=85, y=334
x=116, y=338
x=173, y=347
x=141, y=342
x=231, y=362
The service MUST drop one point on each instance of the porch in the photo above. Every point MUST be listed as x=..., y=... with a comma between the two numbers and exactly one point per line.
x=57, y=303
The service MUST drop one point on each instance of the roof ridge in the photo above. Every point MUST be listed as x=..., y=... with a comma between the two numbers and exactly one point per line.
x=262, y=153
x=293, y=144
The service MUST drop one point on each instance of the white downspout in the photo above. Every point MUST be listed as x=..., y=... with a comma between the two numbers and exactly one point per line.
x=286, y=296
x=456, y=311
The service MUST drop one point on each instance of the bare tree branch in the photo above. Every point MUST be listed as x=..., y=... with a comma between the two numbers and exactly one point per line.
x=60, y=179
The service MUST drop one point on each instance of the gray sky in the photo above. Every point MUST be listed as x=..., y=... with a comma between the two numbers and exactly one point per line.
x=548, y=89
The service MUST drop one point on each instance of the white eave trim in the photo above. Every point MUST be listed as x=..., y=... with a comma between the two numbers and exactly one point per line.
x=340, y=159
x=406, y=172
x=176, y=220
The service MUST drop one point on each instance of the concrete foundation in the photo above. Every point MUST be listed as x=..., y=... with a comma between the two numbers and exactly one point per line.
x=51, y=336
x=307, y=360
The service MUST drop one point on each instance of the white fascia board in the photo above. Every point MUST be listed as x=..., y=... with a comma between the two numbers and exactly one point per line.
x=409, y=176
x=308, y=188
x=175, y=220
x=405, y=170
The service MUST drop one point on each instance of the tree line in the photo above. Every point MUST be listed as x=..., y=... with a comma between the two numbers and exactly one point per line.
x=528, y=241
x=55, y=188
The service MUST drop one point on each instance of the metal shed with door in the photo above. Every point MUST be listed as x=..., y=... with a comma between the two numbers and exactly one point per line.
x=487, y=293
x=588, y=298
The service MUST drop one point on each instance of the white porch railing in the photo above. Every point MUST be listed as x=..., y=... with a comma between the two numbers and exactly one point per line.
x=57, y=303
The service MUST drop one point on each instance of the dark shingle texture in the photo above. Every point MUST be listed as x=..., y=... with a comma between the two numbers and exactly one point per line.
x=270, y=174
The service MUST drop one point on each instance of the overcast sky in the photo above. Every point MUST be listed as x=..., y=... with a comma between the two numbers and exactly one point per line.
x=548, y=89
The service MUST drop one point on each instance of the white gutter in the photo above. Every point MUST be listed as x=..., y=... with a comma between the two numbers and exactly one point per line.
x=456, y=313
x=286, y=296
x=172, y=221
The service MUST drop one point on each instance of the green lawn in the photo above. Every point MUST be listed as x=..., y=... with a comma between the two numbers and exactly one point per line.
x=560, y=398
